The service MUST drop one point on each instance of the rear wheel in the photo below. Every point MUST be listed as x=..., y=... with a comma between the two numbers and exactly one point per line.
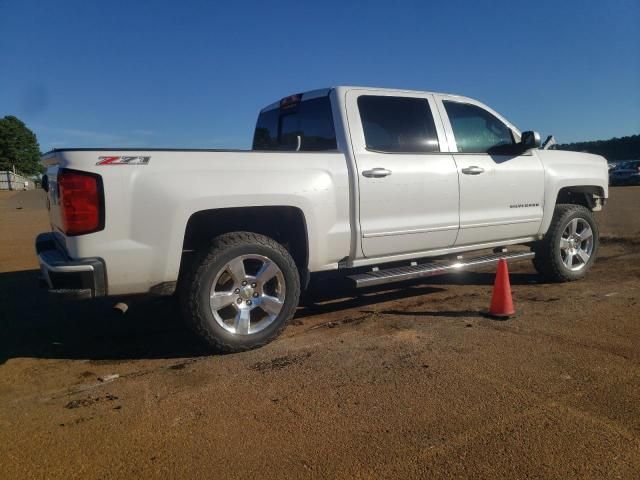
x=569, y=248
x=242, y=292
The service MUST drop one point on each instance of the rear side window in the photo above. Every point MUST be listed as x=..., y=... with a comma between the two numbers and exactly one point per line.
x=266, y=133
x=398, y=124
x=306, y=126
x=476, y=130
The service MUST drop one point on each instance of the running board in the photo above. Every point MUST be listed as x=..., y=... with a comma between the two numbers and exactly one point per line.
x=399, y=274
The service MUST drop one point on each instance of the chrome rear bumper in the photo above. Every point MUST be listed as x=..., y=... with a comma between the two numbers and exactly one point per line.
x=66, y=277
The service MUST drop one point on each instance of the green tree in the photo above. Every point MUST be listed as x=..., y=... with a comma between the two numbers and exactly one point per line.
x=18, y=146
x=624, y=148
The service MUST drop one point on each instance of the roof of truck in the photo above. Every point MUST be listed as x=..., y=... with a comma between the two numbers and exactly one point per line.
x=320, y=92
x=385, y=89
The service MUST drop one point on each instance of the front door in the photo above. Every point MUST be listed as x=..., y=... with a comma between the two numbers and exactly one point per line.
x=501, y=186
x=408, y=187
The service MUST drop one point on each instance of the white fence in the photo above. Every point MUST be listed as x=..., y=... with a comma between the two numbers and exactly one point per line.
x=14, y=181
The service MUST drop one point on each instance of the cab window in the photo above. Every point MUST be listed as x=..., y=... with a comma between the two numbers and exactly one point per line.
x=397, y=124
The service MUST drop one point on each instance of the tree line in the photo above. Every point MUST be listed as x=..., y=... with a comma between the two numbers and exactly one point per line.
x=19, y=147
x=623, y=148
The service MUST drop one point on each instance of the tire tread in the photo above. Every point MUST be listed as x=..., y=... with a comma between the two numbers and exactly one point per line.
x=190, y=298
x=545, y=249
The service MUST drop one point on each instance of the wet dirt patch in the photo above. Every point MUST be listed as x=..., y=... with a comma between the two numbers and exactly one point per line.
x=343, y=321
x=278, y=363
x=541, y=299
x=433, y=313
x=88, y=401
x=615, y=240
x=108, y=362
x=76, y=421
x=182, y=365
x=449, y=298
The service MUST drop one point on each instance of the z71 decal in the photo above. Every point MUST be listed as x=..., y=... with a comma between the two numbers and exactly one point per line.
x=123, y=160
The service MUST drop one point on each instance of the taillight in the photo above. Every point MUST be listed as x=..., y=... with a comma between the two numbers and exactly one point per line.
x=80, y=202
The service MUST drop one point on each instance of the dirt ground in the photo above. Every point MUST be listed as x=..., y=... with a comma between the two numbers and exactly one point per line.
x=405, y=382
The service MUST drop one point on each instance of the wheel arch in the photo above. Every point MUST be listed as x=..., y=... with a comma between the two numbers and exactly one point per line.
x=287, y=225
x=591, y=196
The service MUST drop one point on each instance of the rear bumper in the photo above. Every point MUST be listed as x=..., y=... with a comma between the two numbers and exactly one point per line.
x=66, y=277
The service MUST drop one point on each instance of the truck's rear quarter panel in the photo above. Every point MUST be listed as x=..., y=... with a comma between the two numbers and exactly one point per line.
x=147, y=207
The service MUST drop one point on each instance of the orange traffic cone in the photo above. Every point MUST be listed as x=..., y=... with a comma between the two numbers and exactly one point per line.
x=501, y=301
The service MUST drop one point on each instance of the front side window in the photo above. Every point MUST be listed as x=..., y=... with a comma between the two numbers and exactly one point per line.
x=476, y=130
x=398, y=124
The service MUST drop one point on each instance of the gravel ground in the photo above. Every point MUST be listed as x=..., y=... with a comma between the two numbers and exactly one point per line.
x=407, y=382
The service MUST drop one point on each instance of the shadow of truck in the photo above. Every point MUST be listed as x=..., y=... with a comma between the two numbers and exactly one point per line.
x=35, y=324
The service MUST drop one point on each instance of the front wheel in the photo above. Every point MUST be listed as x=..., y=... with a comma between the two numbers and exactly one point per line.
x=241, y=293
x=569, y=248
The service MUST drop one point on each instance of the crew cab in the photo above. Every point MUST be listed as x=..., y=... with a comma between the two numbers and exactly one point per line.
x=380, y=185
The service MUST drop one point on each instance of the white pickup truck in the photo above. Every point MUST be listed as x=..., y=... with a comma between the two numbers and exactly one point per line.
x=382, y=185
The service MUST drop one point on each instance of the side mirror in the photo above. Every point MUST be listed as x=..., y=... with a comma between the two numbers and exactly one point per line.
x=530, y=140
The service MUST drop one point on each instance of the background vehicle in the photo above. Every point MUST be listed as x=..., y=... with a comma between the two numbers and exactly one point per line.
x=368, y=182
x=625, y=173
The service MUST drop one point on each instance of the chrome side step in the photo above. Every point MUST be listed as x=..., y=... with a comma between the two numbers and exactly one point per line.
x=399, y=274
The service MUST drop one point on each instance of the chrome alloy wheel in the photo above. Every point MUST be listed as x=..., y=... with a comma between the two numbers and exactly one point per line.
x=576, y=244
x=247, y=294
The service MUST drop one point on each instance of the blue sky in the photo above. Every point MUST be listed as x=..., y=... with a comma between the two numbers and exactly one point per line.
x=194, y=74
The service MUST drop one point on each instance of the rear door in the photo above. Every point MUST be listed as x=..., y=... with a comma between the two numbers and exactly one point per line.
x=408, y=186
x=501, y=187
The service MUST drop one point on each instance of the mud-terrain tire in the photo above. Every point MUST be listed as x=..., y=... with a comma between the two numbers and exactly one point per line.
x=241, y=292
x=569, y=247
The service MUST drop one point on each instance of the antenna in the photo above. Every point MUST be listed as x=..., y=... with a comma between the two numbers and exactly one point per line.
x=549, y=142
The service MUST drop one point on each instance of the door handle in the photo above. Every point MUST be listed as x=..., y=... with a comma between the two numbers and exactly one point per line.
x=376, y=173
x=474, y=170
